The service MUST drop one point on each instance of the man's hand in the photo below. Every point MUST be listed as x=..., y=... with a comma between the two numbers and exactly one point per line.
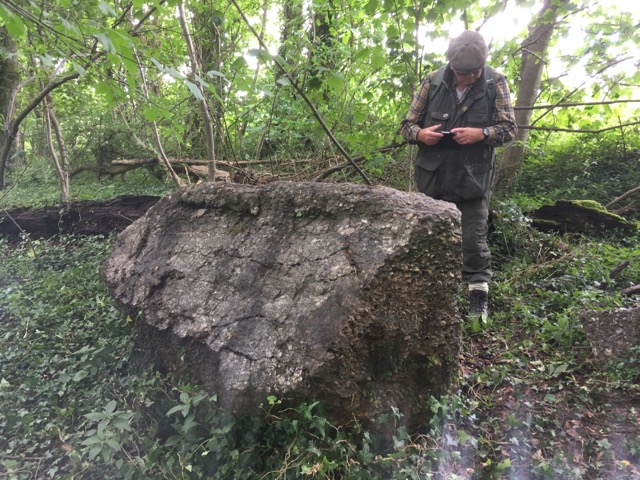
x=429, y=135
x=467, y=135
x=462, y=135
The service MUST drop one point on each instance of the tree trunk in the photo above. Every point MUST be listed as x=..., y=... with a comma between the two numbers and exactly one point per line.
x=292, y=30
x=256, y=75
x=62, y=163
x=204, y=105
x=161, y=152
x=322, y=54
x=417, y=67
x=534, y=51
x=212, y=41
x=9, y=79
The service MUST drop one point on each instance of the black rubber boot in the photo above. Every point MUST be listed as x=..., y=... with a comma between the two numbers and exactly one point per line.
x=479, y=304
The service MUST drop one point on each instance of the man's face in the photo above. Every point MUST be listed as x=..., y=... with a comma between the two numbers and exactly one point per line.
x=466, y=78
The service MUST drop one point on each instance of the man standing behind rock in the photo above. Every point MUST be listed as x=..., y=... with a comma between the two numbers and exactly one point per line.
x=459, y=114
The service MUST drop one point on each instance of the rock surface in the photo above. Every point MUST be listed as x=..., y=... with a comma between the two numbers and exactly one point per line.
x=305, y=291
x=612, y=333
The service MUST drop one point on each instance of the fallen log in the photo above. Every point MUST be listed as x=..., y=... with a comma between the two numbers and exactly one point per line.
x=579, y=216
x=76, y=218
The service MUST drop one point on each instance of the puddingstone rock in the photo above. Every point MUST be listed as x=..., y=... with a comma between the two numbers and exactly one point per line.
x=306, y=291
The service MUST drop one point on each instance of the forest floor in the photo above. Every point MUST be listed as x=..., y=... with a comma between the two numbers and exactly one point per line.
x=534, y=409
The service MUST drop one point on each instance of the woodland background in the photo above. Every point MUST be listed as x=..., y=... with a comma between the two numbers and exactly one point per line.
x=176, y=91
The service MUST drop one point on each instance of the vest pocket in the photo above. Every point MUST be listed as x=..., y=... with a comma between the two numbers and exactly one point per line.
x=452, y=179
x=426, y=176
x=478, y=119
x=438, y=118
x=478, y=180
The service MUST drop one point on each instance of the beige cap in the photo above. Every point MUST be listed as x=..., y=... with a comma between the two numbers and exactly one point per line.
x=467, y=52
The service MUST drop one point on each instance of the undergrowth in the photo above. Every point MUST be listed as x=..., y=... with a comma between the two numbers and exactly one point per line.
x=74, y=404
x=529, y=404
x=35, y=185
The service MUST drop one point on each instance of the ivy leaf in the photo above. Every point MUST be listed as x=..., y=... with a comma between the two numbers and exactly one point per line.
x=195, y=91
x=82, y=374
x=110, y=407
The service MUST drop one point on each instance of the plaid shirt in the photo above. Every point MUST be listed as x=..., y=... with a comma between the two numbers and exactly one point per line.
x=502, y=131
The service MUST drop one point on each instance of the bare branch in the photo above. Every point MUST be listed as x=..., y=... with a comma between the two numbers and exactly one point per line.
x=574, y=104
x=572, y=130
x=630, y=291
x=624, y=196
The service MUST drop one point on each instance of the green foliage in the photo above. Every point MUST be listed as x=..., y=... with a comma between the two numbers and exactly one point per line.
x=58, y=352
x=34, y=185
x=595, y=168
x=73, y=402
x=358, y=62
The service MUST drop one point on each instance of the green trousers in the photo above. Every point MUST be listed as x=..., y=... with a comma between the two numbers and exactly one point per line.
x=476, y=256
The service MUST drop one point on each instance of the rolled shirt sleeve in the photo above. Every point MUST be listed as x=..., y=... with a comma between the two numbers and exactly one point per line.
x=411, y=125
x=504, y=126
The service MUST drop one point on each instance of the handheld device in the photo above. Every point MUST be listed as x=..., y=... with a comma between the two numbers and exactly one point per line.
x=447, y=141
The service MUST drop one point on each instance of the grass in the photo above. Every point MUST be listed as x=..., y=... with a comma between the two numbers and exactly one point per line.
x=530, y=403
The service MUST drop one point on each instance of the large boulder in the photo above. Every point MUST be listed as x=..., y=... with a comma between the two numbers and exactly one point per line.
x=306, y=291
